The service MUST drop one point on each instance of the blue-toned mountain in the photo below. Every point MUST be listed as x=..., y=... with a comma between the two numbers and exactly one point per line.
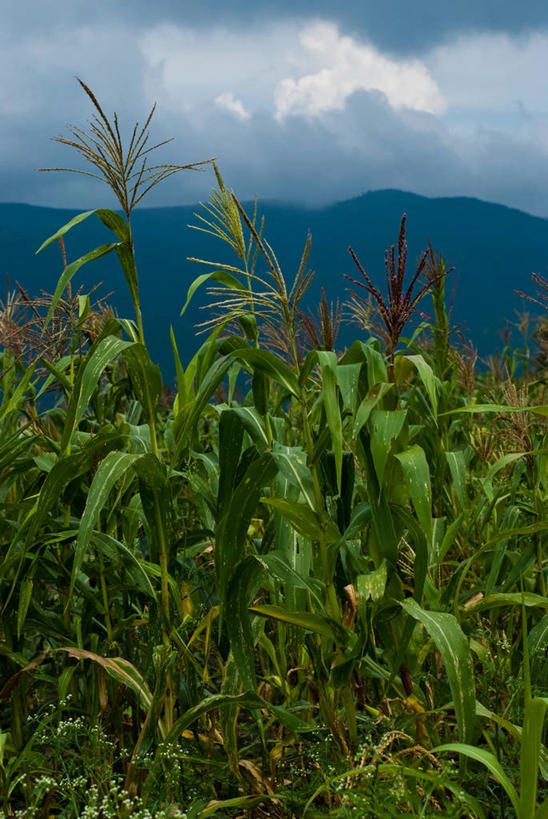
x=493, y=248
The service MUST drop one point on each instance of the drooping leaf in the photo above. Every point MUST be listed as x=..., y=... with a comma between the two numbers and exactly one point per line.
x=219, y=276
x=109, y=472
x=87, y=379
x=304, y=619
x=498, y=599
x=248, y=700
x=305, y=520
x=373, y=397
x=266, y=362
x=426, y=375
x=491, y=763
x=385, y=426
x=70, y=271
x=454, y=648
x=291, y=462
x=417, y=478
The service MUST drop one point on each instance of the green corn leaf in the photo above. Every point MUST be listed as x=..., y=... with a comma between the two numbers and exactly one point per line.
x=426, y=375
x=360, y=518
x=348, y=378
x=457, y=467
x=126, y=257
x=541, y=409
x=491, y=763
x=278, y=566
x=247, y=700
x=188, y=421
x=146, y=378
x=542, y=812
x=385, y=426
x=130, y=328
x=498, y=599
x=328, y=365
x=231, y=436
x=376, y=365
x=417, y=478
x=253, y=425
x=371, y=585
x=179, y=371
x=219, y=276
x=57, y=373
x=240, y=591
x=112, y=468
x=116, y=223
x=61, y=232
x=291, y=462
x=421, y=547
x=157, y=505
x=531, y=744
x=455, y=651
x=267, y=363
x=86, y=381
x=386, y=540
x=10, y=402
x=303, y=619
x=538, y=650
x=65, y=470
x=305, y=520
x=506, y=460
x=71, y=270
x=120, y=669
x=373, y=397
x=260, y=384
x=135, y=568
x=246, y=802
x=25, y=595
x=231, y=532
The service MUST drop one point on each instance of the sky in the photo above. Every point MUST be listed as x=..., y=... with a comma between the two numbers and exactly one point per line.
x=299, y=101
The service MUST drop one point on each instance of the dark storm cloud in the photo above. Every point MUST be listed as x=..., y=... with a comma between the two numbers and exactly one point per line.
x=393, y=25
x=237, y=81
x=319, y=161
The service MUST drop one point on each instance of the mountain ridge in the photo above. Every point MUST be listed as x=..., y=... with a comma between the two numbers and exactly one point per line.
x=494, y=248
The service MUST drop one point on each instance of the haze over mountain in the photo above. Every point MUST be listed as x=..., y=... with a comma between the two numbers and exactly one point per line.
x=493, y=248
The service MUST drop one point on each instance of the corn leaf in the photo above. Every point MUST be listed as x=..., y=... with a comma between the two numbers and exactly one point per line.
x=455, y=651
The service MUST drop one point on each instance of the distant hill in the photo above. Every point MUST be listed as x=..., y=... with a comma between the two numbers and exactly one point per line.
x=493, y=248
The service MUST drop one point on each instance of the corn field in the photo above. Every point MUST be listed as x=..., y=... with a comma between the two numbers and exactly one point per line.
x=306, y=582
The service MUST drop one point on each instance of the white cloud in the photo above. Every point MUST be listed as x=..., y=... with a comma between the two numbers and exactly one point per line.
x=290, y=68
x=311, y=113
x=189, y=67
x=228, y=102
x=347, y=66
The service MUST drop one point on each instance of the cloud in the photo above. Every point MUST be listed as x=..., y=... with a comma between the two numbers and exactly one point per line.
x=394, y=27
x=298, y=109
x=348, y=65
x=490, y=70
x=228, y=102
x=190, y=67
